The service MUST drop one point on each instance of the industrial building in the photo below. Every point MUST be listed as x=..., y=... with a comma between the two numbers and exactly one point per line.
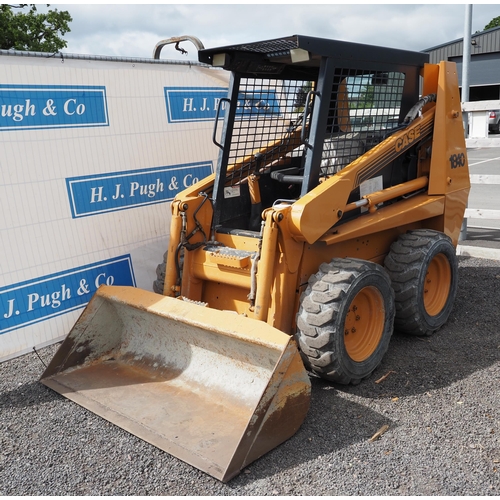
x=484, y=68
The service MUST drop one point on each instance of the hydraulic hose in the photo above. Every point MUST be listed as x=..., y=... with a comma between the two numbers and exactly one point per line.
x=415, y=110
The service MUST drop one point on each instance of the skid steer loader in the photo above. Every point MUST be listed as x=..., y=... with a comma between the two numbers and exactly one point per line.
x=332, y=218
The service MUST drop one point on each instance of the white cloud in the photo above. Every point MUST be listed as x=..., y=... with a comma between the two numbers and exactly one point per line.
x=133, y=30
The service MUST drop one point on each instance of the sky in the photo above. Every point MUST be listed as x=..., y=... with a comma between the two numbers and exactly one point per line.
x=133, y=30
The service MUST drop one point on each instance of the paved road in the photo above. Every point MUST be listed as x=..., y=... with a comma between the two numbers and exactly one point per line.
x=483, y=235
x=484, y=161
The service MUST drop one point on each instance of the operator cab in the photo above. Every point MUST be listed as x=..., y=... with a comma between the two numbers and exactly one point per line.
x=299, y=110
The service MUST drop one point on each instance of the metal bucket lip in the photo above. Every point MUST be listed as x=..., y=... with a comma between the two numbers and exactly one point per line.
x=240, y=327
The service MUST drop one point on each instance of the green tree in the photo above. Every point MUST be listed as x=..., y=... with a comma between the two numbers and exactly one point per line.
x=366, y=98
x=493, y=23
x=31, y=30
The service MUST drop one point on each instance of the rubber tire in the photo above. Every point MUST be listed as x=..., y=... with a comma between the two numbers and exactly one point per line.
x=407, y=263
x=322, y=315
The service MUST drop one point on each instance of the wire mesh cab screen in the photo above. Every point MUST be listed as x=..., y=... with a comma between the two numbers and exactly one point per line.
x=268, y=124
x=272, y=126
x=365, y=107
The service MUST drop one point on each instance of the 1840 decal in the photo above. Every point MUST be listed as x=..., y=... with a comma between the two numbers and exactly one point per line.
x=457, y=160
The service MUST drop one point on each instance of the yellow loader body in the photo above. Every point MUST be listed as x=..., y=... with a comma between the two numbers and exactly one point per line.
x=332, y=219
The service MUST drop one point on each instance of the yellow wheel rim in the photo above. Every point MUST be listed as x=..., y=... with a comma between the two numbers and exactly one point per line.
x=364, y=324
x=437, y=285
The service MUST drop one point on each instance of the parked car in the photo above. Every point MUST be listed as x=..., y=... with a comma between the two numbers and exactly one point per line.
x=494, y=121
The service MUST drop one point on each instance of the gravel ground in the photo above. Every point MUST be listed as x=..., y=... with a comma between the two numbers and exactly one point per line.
x=441, y=401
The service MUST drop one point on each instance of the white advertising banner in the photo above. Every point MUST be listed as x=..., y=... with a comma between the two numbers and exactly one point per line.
x=92, y=152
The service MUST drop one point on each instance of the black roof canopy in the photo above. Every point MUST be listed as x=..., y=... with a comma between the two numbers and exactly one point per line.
x=298, y=53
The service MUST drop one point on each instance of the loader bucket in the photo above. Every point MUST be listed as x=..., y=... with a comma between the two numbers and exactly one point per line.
x=213, y=388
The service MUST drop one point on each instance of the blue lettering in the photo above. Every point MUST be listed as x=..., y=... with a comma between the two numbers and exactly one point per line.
x=23, y=304
x=90, y=195
x=38, y=106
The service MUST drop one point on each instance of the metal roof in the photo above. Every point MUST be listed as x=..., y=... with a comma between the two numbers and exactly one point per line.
x=484, y=42
x=277, y=53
